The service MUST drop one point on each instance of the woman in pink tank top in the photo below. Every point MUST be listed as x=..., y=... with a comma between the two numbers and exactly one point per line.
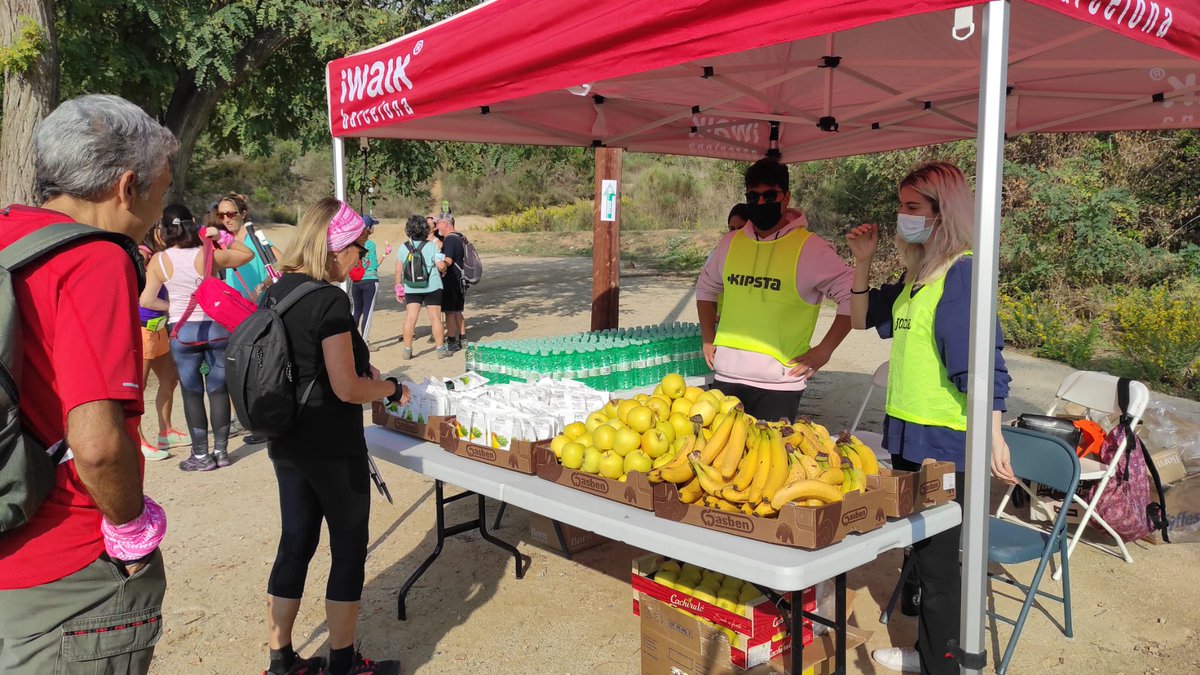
x=199, y=348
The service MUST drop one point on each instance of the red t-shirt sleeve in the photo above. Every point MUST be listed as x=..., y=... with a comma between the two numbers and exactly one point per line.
x=98, y=348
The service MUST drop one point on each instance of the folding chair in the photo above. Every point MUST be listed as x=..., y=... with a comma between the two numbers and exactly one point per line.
x=1098, y=393
x=871, y=439
x=1047, y=461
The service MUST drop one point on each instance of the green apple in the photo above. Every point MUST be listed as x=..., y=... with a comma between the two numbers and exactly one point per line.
x=715, y=575
x=733, y=585
x=709, y=584
x=670, y=565
x=637, y=461
x=591, y=461
x=689, y=569
x=626, y=441
x=612, y=465
x=666, y=578
x=572, y=455
x=748, y=594
x=684, y=585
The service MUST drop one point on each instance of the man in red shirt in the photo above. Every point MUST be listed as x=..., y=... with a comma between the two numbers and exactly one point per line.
x=71, y=594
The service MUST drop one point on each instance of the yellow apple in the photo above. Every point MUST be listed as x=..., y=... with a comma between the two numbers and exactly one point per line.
x=572, y=455
x=705, y=410
x=612, y=465
x=660, y=406
x=591, y=461
x=641, y=419
x=692, y=393
x=641, y=398
x=624, y=407
x=587, y=440
x=673, y=386
x=610, y=409
x=666, y=578
x=681, y=406
x=626, y=441
x=637, y=461
x=683, y=425
x=594, y=420
x=658, y=390
x=702, y=594
x=667, y=428
x=602, y=437
x=729, y=403
x=575, y=429
x=557, y=443
x=670, y=565
x=655, y=443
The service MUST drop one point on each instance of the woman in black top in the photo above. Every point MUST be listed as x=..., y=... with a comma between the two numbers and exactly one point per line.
x=321, y=462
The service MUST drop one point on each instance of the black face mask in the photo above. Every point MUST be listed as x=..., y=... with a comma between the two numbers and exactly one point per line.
x=765, y=216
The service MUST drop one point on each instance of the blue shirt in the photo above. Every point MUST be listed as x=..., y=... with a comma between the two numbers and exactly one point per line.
x=252, y=273
x=951, y=332
x=432, y=255
x=371, y=262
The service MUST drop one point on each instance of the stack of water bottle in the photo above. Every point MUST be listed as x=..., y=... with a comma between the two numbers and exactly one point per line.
x=609, y=360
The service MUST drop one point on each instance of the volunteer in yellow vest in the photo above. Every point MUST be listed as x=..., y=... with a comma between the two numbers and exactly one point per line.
x=772, y=275
x=927, y=316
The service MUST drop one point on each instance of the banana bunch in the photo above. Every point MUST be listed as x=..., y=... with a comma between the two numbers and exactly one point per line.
x=860, y=456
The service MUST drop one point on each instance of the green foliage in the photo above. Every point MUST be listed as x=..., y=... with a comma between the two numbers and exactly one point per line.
x=1045, y=326
x=1157, y=330
x=562, y=218
x=26, y=48
x=490, y=180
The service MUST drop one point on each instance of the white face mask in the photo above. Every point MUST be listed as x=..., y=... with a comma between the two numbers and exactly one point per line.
x=912, y=228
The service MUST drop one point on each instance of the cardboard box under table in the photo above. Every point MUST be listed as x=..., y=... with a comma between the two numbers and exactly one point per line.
x=562, y=538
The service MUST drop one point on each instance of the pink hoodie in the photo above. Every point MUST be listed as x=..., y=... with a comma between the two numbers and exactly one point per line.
x=820, y=273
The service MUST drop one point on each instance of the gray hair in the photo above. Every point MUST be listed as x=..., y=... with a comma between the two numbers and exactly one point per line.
x=82, y=148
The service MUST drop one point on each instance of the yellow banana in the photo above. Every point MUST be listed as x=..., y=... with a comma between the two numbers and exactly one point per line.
x=779, y=466
x=665, y=459
x=746, y=469
x=735, y=447
x=834, y=459
x=795, y=471
x=747, y=509
x=766, y=456
x=765, y=510
x=805, y=489
x=691, y=492
x=851, y=454
x=814, y=502
x=704, y=474
x=831, y=476
x=731, y=493
x=723, y=505
x=811, y=468
x=676, y=474
x=867, y=455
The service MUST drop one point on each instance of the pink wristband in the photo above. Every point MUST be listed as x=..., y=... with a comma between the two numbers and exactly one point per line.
x=139, y=537
x=225, y=239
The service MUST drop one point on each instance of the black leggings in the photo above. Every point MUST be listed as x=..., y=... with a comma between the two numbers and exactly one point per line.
x=940, y=578
x=364, y=305
x=765, y=404
x=338, y=491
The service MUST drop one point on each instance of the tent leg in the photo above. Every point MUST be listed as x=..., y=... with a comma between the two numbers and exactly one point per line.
x=339, y=169
x=989, y=176
x=606, y=243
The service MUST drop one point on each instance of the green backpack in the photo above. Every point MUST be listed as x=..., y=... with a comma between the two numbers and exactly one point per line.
x=26, y=467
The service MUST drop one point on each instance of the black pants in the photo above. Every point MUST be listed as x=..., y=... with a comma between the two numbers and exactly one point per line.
x=939, y=575
x=765, y=404
x=338, y=492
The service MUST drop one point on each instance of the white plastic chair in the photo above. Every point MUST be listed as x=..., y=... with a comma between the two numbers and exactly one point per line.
x=1098, y=393
x=871, y=439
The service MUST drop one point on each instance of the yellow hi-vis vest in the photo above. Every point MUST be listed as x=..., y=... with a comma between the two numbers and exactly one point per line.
x=762, y=310
x=918, y=390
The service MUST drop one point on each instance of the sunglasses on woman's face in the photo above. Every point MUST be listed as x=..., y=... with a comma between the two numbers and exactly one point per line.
x=362, y=250
x=228, y=215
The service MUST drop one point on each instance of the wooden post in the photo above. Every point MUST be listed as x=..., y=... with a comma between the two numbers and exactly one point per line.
x=606, y=240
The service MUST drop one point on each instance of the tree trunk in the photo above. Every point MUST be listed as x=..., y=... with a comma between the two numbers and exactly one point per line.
x=191, y=108
x=28, y=97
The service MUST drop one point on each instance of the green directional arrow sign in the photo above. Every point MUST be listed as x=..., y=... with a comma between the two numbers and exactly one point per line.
x=608, y=201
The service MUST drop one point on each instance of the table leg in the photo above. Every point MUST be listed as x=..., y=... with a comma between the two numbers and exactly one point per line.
x=480, y=523
x=797, y=632
x=562, y=539
x=840, y=619
x=499, y=515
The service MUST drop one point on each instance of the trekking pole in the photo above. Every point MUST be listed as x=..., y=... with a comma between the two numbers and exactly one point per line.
x=378, y=480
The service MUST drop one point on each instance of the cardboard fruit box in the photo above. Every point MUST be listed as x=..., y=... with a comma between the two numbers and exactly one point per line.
x=635, y=491
x=936, y=485
x=761, y=621
x=541, y=531
x=432, y=429
x=898, y=489
x=518, y=457
x=809, y=527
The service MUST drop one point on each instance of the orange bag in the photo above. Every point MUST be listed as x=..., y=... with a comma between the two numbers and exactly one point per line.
x=1091, y=438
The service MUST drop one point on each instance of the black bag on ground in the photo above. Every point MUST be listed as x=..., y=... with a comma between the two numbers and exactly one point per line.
x=27, y=468
x=259, y=370
x=414, y=271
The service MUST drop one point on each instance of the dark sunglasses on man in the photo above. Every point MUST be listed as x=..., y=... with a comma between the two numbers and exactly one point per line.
x=768, y=196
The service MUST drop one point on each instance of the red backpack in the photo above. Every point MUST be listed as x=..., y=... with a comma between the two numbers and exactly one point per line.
x=218, y=299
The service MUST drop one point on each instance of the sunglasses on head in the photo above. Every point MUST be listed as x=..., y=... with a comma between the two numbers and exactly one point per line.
x=768, y=196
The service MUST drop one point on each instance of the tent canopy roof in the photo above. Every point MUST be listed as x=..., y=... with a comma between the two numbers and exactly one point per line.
x=715, y=78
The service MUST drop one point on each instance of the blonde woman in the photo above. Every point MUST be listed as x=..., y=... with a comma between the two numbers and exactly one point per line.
x=321, y=462
x=927, y=316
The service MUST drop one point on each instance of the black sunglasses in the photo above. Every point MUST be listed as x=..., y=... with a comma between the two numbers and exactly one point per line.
x=362, y=250
x=768, y=197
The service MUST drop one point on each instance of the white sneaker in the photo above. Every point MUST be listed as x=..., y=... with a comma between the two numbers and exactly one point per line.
x=901, y=659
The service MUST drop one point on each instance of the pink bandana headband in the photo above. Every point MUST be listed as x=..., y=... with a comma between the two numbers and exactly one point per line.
x=345, y=228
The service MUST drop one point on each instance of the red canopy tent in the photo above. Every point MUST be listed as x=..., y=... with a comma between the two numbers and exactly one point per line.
x=731, y=78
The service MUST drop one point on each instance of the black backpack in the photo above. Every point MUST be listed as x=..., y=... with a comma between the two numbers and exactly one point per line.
x=259, y=370
x=27, y=468
x=415, y=274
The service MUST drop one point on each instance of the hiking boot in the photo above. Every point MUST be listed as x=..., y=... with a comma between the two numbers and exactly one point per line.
x=899, y=659
x=364, y=666
x=408, y=353
x=254, y=439
x=313, y=666
x=198, y=463
x=443, y=352
x=222, y=459
x=454, y=345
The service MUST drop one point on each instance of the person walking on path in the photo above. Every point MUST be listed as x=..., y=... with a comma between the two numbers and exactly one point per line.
x=200, y=341
x=426, y=292
x=454, y=294
x=366, y=287
x=773, y=275
x=156, y=358
x=82, y=582
x=927, y=316
x=321, y=462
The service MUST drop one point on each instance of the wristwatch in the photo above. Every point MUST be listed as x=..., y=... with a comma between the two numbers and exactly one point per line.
x=399, y=393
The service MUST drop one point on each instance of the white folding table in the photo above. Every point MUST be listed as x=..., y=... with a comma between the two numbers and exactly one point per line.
x=775, y=567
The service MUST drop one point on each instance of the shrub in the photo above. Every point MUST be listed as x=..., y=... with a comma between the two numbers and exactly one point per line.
x=563, y=218
x=1157, y=329
x=1047, y=328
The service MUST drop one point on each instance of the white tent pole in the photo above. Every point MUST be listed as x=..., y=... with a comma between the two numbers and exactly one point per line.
x=339, y=168
x=989, y=176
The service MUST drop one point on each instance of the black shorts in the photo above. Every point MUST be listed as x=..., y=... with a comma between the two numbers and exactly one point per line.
x=453, y=298
x=430, y=299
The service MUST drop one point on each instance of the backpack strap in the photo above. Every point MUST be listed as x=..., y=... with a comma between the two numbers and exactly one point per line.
x=284, y=304
x=46, y=239
x=1155, y=513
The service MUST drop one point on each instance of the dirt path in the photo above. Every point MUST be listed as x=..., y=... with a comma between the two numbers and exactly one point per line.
x=469, y=614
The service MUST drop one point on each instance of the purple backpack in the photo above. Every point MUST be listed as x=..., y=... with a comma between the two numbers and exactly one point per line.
x=1125, y=504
